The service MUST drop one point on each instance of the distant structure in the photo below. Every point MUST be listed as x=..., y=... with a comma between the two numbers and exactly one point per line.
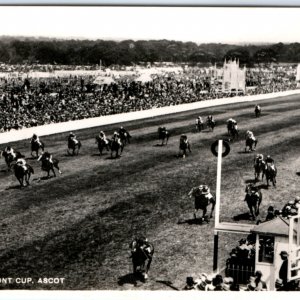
x=298, y=76
x=231, y=77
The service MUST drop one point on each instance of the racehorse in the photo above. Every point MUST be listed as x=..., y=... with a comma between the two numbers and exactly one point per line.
x=253, y=199
x=47, y=166
x=72, y=145
x=199, y=125
x=259, y=168
x=270, y=172
x=22, y=174
x=232, y=130
x=101, y=144
x=141, y=259
x=9, y=158
x=257, y=111
x=125, y=137
x=183, y=146
x=35, y=146
x=201, y=202
x=115, y=146
x=251, y=144
x=163, y=135
x=211, y=124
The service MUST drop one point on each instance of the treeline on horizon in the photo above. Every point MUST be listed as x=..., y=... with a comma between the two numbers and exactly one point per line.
x=129, y=52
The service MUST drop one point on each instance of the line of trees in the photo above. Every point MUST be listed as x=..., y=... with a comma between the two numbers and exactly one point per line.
x=128, y=52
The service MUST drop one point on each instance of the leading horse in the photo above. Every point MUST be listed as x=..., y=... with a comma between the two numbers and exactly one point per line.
x=141, y=258
x=22, y=174
x=183, y=147
x=116, y=146
x=253, y=198
x=259, y=168
x=202, y=201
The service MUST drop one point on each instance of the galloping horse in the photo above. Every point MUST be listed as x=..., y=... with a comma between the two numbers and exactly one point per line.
x=251, y=144
x=183, y=146
x=257, y=111
x=115, y=146
x=124, y=136
x=72, y=145
x=10, y=158
x=259, y=168
x=22, y=174
x=253, y=198
x=101, y=144
x=211, y=124
x=47, y=166
x=35, y=146
x=270, y=172
x=199, y=125
x=202, y=201
x=140, y=256
x=232, y=130
x=163, y=135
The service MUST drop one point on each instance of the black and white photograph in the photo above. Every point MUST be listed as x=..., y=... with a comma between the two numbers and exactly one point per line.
x=149, y=148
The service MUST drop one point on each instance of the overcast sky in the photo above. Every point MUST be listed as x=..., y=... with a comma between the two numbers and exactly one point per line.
x=200, y=25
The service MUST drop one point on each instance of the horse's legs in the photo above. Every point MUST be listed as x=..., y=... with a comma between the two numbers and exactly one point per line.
x=52, y=169
x=57, y=167
x=204, y=212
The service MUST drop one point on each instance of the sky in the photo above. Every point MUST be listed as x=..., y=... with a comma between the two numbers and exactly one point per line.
x=196, y=24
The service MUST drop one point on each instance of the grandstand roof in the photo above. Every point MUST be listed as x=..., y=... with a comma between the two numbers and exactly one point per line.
x=277, y=226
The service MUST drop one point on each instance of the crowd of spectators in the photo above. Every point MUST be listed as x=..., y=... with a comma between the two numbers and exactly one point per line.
x=37, y=101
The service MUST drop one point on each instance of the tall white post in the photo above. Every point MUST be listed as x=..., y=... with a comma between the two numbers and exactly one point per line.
x=218, y=186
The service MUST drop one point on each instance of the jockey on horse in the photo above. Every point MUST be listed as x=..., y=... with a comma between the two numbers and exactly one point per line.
x=270, y=162
x=232, y=127
x=10, y=151
x=141, y=250
x=22, y=163
x=199, y=123
x=103, y=137
x=72, y=137
x=257, y=110
x=47, y=157
x=124, y=135
x=116, y=138
x=203, y=198
x=250, y=140
x=36, y=139
x=253, y=198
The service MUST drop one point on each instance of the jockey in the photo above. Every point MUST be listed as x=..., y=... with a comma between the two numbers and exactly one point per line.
x=258, y=159
x=257, y=107
x=103, y=137
x=122, y=130
x=183, y=139
x=210, y=118
x=206, y=192
x=72, y=137
x=22, y=162
x=35, y=139
x=116, y=138
x=250, y=135
x=270, y=161
x=48, y=157
x=11, y=151
x=199, y=120
x=143, y=244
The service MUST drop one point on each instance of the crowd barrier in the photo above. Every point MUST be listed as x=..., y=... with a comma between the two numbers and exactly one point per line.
x=26, y=133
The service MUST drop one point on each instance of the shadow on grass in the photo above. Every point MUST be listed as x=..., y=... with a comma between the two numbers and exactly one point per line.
x=15, y=187
x=193, y=221
x=243, y=216
x=263, y=186
x=131, y=278
x=298, y=173
x=169, y=284
x=250, y=181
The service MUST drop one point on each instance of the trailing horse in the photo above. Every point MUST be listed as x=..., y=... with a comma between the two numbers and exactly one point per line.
x=22, y=174
x=35, y=146
x=74, y=146
x=163, y=135
x=115, y=146
x=259, y=168
x=253, y=198
x=9, y=158
x=251, y=144
x=102, y=144
x=141, y=256
x=48, y=166
x=270, y=172
x=183, y=147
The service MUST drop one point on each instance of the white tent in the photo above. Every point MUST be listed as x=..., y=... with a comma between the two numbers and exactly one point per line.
x=144, y=78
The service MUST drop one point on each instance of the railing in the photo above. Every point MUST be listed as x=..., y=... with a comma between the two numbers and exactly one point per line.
x=239, y=271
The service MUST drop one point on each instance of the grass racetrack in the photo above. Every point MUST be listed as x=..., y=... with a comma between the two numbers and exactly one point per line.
x=78, y=225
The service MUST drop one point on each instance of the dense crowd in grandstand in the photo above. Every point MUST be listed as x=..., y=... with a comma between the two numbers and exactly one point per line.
x=27, y=102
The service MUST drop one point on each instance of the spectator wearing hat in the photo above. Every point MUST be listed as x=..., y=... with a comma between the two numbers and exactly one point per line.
x=259, y=283
x=190, y=284
x=270, y=214
x=283, y=272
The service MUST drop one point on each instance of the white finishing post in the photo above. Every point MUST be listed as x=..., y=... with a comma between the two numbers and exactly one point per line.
x=218, y=187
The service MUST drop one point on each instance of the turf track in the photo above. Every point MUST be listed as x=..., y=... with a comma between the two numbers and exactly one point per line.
x=78, y=225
